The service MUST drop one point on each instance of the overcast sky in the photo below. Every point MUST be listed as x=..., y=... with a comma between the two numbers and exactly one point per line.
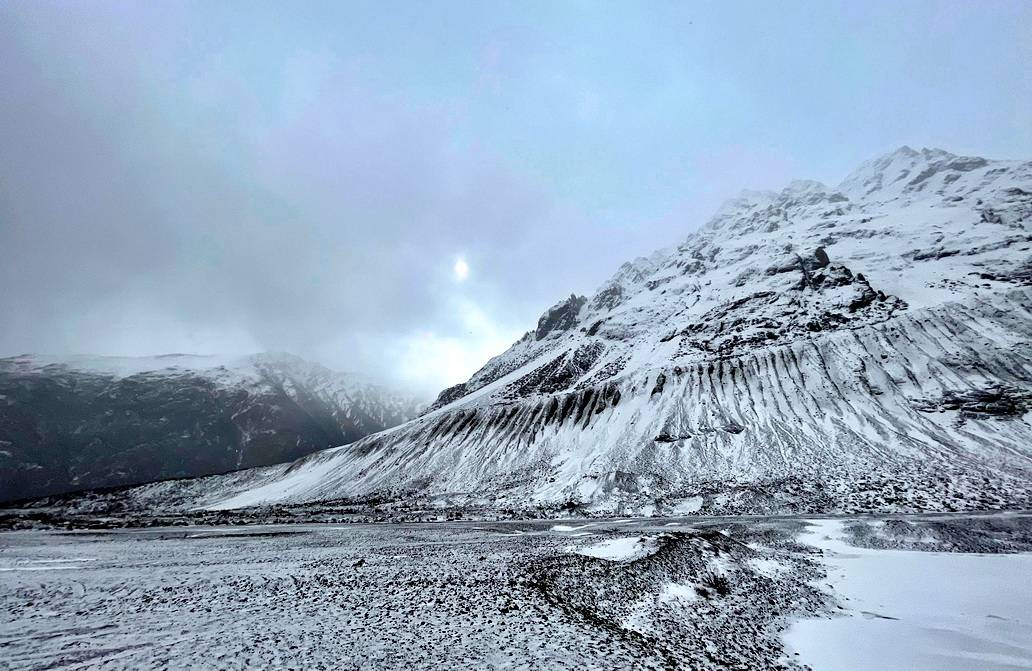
x=402, y=188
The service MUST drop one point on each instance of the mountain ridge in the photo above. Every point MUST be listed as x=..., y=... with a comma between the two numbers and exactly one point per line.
x=865, y=347
x=77, y=422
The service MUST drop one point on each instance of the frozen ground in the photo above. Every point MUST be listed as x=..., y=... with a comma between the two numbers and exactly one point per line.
x=615, y=594
x=910, y=610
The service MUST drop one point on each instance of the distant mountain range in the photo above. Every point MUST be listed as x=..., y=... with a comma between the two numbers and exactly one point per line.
x=862, y=347
x=85, y=422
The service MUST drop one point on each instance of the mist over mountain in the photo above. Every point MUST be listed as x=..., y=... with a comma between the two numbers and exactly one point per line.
x=198, y=177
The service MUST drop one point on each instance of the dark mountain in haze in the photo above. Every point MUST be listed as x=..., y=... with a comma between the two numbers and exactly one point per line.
x=85, y=422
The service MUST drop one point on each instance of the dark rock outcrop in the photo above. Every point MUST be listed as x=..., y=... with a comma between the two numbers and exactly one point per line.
x=560, y=317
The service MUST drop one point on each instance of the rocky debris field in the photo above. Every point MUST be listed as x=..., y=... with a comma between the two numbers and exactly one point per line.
x=995, y=534
x=400, y=596
x=614, y=594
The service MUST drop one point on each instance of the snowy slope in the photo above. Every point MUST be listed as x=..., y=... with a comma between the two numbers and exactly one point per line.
x=859, y=347
x=73, y=422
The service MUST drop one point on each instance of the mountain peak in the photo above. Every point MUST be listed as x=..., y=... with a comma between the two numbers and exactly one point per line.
x=906, y=172
x=747, y=200
x=904, y=150
x=805, y=185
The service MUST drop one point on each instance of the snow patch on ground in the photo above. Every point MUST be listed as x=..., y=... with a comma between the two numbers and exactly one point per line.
x=625, y=548
x=679, y=593
x=907, y=610
x=687, y=506
x=767, y=566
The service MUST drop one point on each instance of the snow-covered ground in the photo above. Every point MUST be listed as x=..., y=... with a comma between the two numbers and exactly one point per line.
x=441, y=596
x=607, y=594
x=913, y=611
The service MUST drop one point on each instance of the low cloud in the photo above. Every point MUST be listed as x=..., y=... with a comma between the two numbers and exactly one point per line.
x=201, y=177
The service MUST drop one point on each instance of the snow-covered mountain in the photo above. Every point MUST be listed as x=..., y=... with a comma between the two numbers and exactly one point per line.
x=76, y=422
x=860, y=347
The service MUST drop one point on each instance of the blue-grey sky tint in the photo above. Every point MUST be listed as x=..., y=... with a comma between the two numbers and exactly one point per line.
x=238, y=176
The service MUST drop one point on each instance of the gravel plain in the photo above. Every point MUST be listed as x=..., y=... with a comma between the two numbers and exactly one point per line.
x=612, y=594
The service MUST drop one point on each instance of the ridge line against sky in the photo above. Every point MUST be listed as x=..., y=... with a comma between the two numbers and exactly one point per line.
x=402, y=188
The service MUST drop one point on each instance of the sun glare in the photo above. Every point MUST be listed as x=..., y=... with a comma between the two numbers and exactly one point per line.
x=461, y=269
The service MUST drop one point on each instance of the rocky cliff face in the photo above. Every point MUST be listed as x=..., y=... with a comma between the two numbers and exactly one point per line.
x=97, y=422
x=860, y=347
